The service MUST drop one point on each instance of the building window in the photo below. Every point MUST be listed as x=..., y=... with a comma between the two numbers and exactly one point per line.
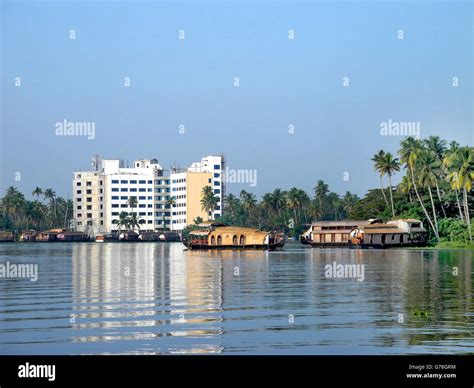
x=79, y=208
x=88, y=183
x=133, y=182
x=216, y=175
x=115, y=181
x=115, y=213
x=217, y=166
x=89, y=215
x=142, y=182
x=217, y=191
x=88, y=199
x=78, y=184
x=142, y=197
x=133, y=189
x=124, y=197
x=115, y=189
x=123, y=189
x=89, y=207
x=79, y=215
x=150, y=182
x=78, y=191
x=79, y=199
x=101, y=183
x=115, y=205
x=88, y=191
x=124, y=182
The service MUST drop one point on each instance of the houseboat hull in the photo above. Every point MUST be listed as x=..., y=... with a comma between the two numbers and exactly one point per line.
x=270, y=247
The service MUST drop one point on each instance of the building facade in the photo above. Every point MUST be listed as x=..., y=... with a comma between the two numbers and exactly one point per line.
x=164, y=199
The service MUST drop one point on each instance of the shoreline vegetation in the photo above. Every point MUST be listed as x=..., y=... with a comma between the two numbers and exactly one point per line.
x=436, y=188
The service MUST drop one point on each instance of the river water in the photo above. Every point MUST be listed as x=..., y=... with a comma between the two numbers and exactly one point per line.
x=158, y=298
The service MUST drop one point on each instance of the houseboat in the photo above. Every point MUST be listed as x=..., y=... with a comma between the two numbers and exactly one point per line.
x=396, y=233
x=57, y=235
x=366, y=234
x=330, y=233
x=7, y=237
x=223, y=236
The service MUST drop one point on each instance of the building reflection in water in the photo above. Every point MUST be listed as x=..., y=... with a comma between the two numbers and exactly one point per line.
x=146, y=297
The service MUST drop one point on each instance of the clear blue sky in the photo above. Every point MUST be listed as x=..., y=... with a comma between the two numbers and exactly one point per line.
x=190, y=82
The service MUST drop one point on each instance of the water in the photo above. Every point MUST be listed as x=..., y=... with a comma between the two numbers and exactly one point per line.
x=157, y=298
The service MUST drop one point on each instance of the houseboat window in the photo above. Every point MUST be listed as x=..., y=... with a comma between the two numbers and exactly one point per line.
x=242, y=240
x=234, y=240
x=219, y=240
x=213, y=240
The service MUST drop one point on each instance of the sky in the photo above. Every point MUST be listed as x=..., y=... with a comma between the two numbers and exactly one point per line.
x=305, y=108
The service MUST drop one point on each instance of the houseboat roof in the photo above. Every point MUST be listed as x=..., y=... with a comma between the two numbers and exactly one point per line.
x=199, y=232
x=381, y=230
x=348, y=223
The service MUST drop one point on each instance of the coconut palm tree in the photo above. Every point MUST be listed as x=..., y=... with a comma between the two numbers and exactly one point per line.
x=132, y=203
x=461, y=166
x=378, y=162
x=37, y=192
x=279, y=201
x=427, y=178
x=209, y=201
x=293, y=202
x=321, y=191
x=50, y=195
x=409, y=152
x=438, y=147
x=388, y=165
x=232, y=204
x=123, y=221
x=348, y=202
x=405, y=186
x=248, y=201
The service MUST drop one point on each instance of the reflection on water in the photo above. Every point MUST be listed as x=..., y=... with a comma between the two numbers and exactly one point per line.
x=157, y=298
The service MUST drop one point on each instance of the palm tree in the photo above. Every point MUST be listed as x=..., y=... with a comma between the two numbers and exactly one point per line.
x=209, y=201
x=452, y=176
x=134, y=221
x=388, y=165
x=248, y=201
x=279, y=201
x=232, y=203
x=348, y=202
x=438, y=147
x=409, y=152
x=293, y=202
x=320, y=191
x=405, y=186
x=427, y=177
x=123, y=221
x=37, y=192
x=378, y=162
x=461, y=165
x=50, y=195
x=132, y=203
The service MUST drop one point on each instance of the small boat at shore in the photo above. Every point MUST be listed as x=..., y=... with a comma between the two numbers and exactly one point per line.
x=222, y=236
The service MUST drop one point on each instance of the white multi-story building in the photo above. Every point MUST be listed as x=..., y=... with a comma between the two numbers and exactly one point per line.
x=162, y=201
